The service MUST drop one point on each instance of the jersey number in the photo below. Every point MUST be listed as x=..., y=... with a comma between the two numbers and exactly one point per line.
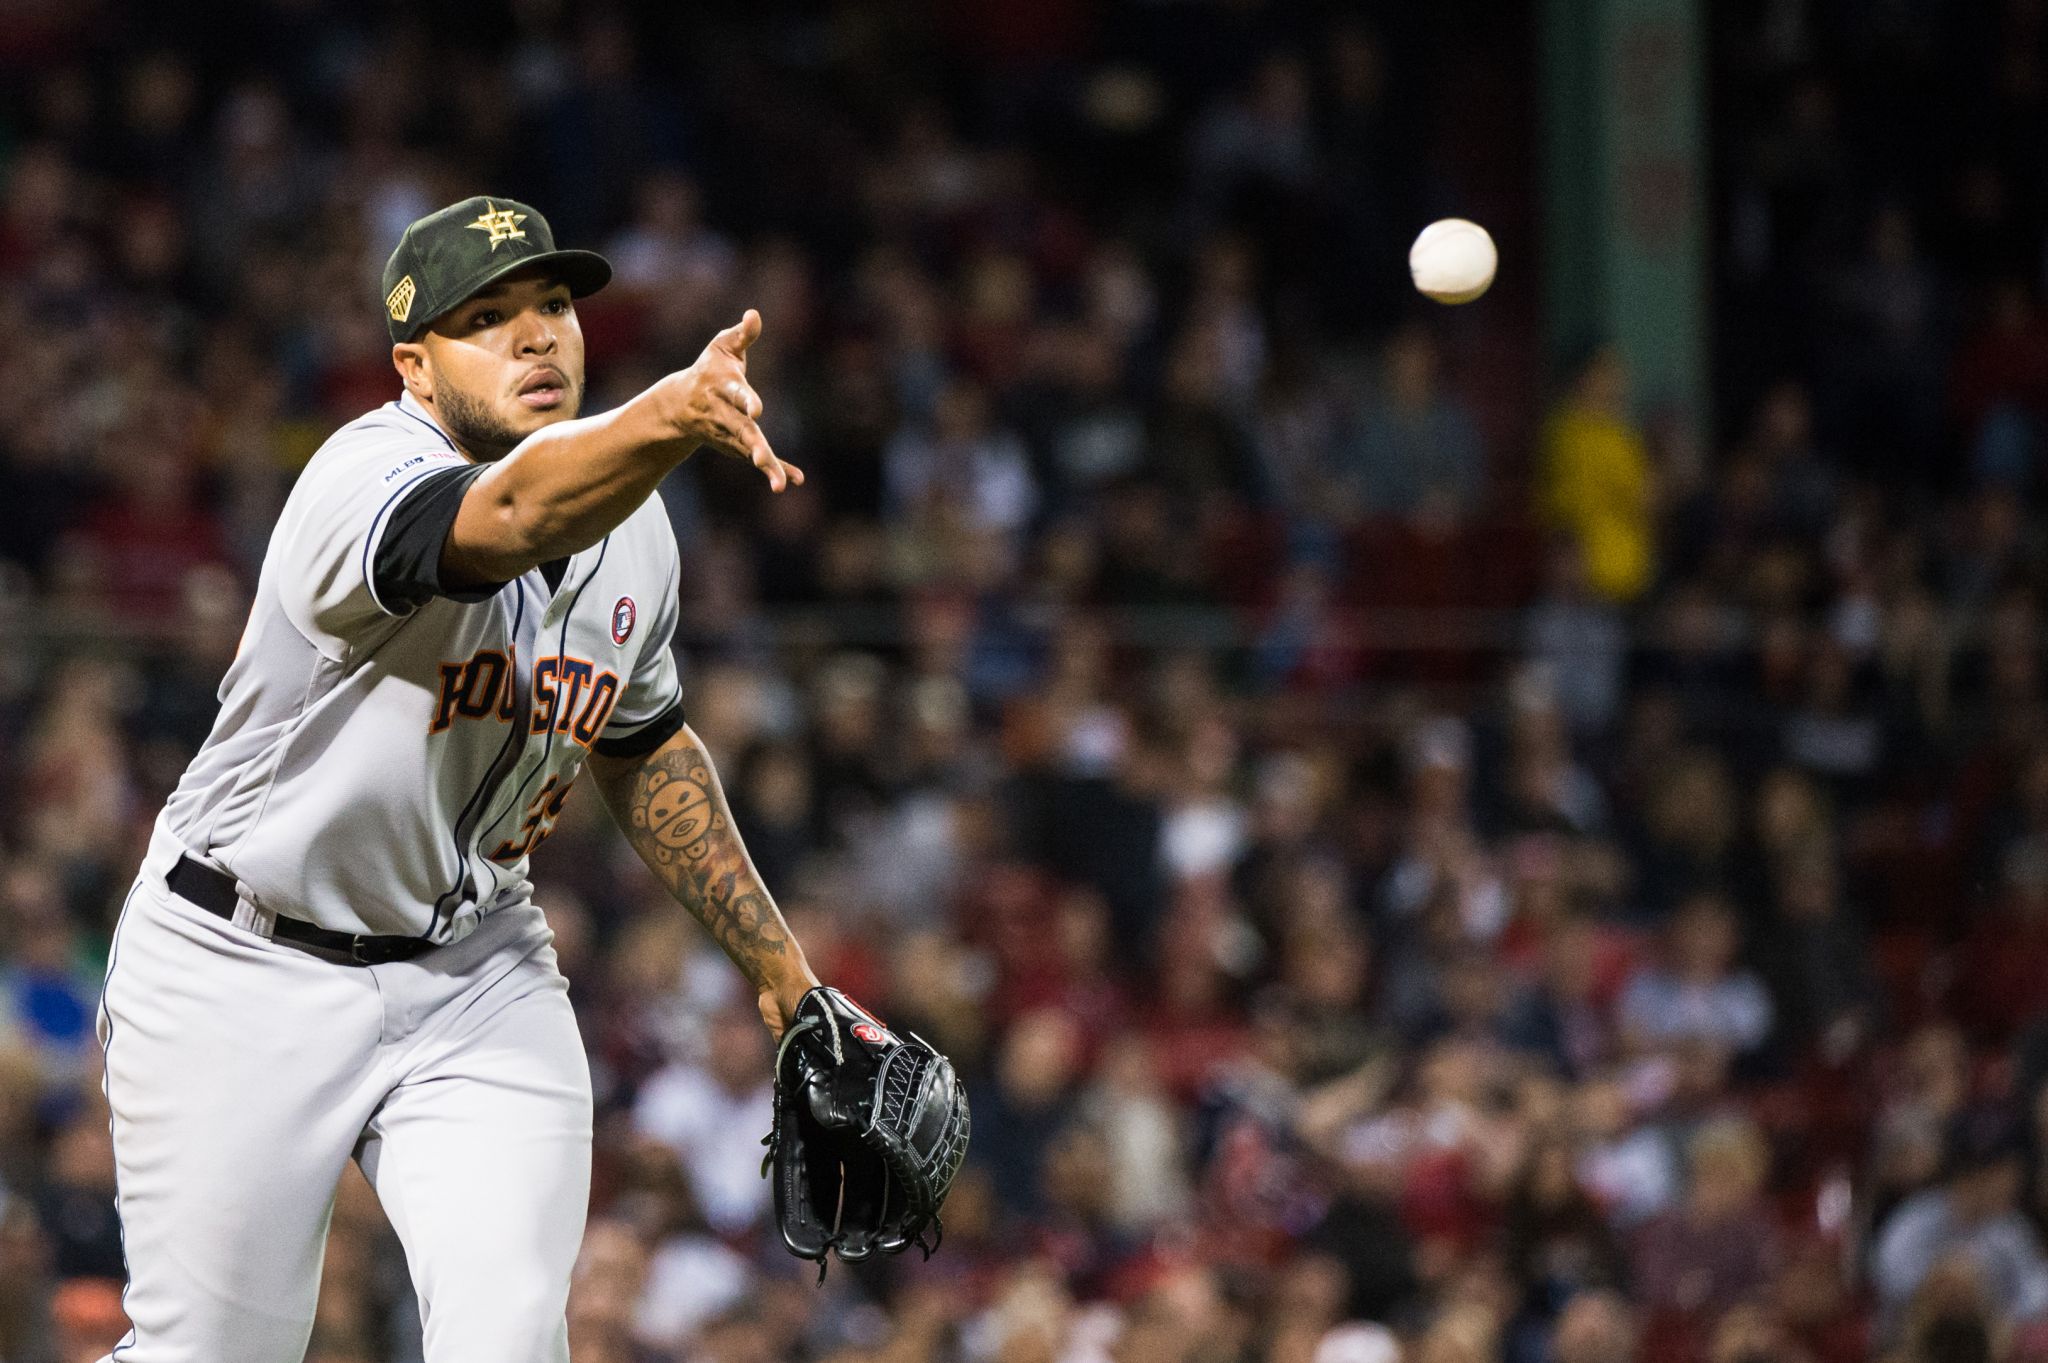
x=540, y=820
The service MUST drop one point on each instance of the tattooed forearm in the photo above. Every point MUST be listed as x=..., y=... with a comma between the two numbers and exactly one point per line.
x=673, y=811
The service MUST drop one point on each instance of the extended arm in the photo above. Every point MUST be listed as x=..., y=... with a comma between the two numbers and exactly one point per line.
x=569, y=485
x=673, y=811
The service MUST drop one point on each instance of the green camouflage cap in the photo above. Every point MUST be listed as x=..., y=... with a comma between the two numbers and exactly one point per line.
x=451, y=255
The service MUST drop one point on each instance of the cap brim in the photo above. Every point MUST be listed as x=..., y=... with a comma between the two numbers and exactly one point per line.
x=585, y=272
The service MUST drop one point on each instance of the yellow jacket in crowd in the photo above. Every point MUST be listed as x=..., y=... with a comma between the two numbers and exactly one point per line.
x=1597, y=486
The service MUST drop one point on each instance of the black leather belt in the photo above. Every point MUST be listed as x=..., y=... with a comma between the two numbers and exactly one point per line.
x=214, y=891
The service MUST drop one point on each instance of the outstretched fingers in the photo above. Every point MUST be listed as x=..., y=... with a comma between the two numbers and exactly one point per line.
x=740, y=436
x=742, y=418
x=780, y=473
x=783, y=475
x=735, y=406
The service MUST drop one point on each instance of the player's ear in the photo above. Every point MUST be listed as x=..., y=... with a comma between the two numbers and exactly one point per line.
x=414, y=368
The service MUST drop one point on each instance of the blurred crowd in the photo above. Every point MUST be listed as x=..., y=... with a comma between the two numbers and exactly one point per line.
x=1413, y=861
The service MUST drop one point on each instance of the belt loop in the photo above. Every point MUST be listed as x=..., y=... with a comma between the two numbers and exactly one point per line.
x=251, y=916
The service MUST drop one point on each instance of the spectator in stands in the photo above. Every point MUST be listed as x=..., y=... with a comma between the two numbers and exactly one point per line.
x=1596, y=1327
x=1686, y=840
x=1566, y=1016
x=963, y=465
x=1558, y=1242
x=1597, y=484
x=1698, y=993
x=1577, y=638
x=705, y=1109
x=1823, y=987
x=691, y=1275
x=1414, y=449
x=1971, y=1216
x=1718, y=1248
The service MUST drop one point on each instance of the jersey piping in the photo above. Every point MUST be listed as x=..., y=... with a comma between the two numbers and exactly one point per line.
x=501, y=766
x=548, y=744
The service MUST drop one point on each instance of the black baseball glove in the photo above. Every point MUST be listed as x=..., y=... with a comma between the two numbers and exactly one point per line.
x=870, y=1128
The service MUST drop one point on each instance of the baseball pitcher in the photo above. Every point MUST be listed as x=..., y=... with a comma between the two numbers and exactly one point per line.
x=332, y=951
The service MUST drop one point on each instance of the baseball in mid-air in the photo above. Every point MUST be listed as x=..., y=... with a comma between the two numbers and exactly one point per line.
x=1453, y=260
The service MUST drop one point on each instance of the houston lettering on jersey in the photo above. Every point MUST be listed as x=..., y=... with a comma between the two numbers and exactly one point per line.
x=570, y=696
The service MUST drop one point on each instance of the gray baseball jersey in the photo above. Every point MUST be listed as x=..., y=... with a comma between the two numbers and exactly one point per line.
x=388, y=754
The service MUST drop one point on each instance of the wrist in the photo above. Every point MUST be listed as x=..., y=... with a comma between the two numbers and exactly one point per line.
x=794, y=982
x=790, y=984
x=666, y=414
x=781, y=995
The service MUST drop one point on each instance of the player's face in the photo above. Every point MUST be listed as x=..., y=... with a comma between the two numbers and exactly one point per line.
x=504, y=364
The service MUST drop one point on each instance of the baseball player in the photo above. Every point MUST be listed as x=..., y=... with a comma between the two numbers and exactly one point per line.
x=332, y=951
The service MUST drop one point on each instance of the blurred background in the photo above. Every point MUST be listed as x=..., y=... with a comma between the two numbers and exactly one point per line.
x=1507, y=834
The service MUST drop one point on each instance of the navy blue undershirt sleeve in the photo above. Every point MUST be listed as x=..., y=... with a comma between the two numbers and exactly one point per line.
x=646, y=738
x=407, y=572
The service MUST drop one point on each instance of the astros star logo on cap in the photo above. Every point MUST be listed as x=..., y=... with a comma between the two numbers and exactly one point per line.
x=501, y=223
